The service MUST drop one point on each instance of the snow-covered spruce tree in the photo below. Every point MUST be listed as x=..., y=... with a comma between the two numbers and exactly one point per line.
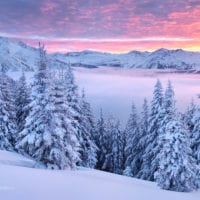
x=31, y=138
x=188, y=116
x=88, y=147
x=118, y=149
x=48, y=135
x=132, y=149
x=102, y=140
x=74, y=102
x=144, y=126
x=73, y=98
x=168, y=105
x=195, y=135
x=145, y=119
x=114, y=157
x=177, y=169
x=168, y=110
x=150, y=161
x=7, y=112
x=81, y=118
x=63, y=142
x=12, y=87
x=22, y=101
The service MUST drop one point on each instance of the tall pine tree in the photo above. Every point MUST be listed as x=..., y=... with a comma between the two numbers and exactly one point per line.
x=48, y=135
x=22, y=102
x=144, y=124
x=150, y=161
x=8, y=132
x=88, y=147
x=177, y=170
x=132, y=149
x=114, y=154
x=195, y=135
x=101, y=140
x=189, y=115
x=63, y=142
x=31, y=138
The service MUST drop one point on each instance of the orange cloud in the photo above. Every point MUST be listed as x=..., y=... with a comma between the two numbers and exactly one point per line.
x=118, y=46
x=53, y=20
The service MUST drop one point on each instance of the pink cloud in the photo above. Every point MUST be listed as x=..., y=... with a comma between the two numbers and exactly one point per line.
x=103, y=19
x=48, y=6
x=117, y=46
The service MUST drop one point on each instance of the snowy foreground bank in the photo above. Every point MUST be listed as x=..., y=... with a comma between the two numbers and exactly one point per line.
x=20, y=181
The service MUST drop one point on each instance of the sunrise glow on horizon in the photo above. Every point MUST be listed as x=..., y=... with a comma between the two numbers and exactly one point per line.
x=116, y=26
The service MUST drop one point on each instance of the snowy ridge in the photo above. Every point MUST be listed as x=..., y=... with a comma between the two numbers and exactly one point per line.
x=175, y=59
x=17, y=55
x=91, y=58
x=17, y=172
x=159, y=59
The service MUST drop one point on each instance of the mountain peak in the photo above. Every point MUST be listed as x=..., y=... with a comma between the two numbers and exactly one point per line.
x=18, y=56
x=161, y=50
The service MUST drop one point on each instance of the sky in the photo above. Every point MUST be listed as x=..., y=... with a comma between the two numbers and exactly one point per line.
x=103, y=25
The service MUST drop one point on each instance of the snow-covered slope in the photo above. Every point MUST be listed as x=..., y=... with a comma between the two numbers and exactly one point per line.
x=175, y=59
x=92, y=58
x=20, y=181
x=17, y=55
x=160, y=59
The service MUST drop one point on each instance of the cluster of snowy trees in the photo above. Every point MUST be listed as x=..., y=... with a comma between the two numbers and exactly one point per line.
x=160, y=144
x=47, y=121
x=50, y=122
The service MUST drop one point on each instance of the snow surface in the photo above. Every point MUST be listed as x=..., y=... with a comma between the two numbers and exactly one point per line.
x=20, y=181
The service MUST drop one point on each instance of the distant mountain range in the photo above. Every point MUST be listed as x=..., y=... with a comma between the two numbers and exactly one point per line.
x=17, y=56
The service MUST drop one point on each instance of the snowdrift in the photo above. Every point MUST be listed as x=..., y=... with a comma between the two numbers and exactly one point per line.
x=19, y=180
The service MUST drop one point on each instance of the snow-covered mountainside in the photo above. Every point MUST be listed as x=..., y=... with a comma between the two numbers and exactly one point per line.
x=160, y=59
x=17, y=55
x=19, y=180
x=92, y=58
x=175, y=59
